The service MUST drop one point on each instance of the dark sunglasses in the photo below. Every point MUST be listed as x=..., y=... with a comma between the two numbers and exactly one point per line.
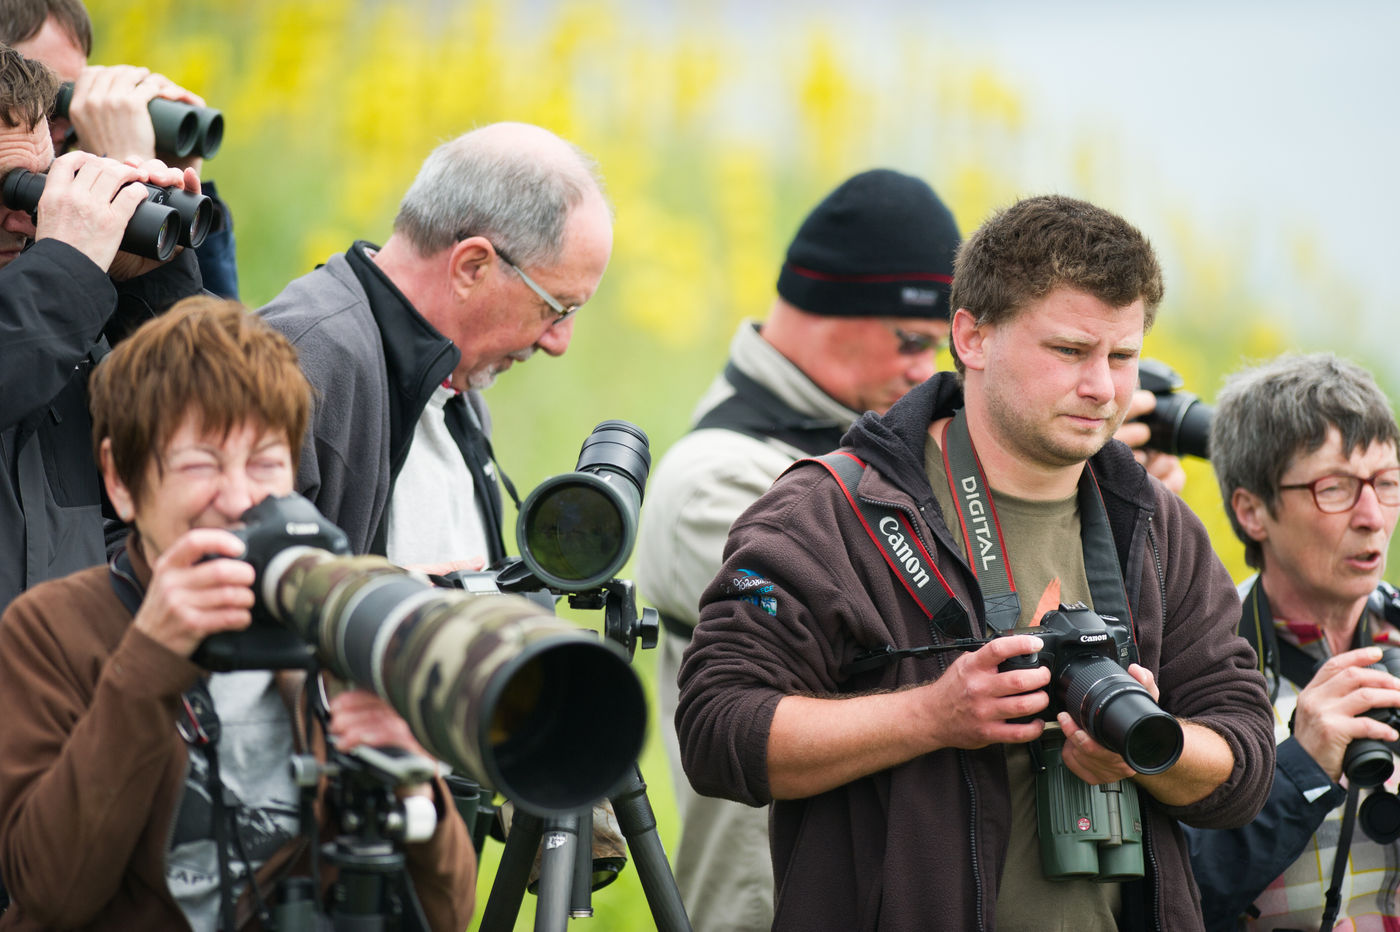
x=912, y=344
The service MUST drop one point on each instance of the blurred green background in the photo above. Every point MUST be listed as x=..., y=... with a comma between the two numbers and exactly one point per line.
x=710, y=161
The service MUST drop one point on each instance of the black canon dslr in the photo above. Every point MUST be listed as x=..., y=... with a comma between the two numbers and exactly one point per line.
x=576, y=530
x=1087, y=655
x=181, y=129
x=1180, y=423
x=1369, y=762
x=169, y=217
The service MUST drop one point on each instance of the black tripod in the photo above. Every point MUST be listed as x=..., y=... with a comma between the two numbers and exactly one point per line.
x=372, y=891
x=566, y=873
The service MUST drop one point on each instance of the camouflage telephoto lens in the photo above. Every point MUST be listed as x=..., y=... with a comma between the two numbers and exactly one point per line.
x=525, y=703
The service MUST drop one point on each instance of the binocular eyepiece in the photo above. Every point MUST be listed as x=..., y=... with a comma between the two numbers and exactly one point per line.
x=181, y=129
x=167, y=218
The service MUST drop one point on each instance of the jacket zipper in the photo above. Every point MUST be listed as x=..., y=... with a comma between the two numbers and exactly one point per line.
x=1155, y=874
x=1157, y=561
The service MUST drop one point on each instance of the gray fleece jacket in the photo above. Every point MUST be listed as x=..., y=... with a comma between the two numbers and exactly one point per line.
x=373, y=361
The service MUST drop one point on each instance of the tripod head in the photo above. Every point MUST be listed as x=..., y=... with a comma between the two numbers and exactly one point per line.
x=623, y=624
x=372, y=890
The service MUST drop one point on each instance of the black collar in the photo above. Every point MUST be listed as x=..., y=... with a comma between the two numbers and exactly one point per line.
x=417, y=357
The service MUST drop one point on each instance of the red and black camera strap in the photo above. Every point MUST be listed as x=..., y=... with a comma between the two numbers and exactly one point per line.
x=892, y=529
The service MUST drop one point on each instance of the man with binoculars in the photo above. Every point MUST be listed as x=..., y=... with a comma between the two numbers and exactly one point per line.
x=110, y=110
x=1304, y=448
x=67, y=293
x=911, y=781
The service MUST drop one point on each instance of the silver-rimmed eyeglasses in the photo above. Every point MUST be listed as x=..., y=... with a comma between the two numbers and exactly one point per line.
x=555, y=305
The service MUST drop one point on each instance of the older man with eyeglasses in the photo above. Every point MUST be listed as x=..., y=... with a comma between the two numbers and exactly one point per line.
x=1305, y=449
x=502, y=237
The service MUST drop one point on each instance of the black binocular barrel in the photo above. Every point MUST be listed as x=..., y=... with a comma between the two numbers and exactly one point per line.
x=181, y=129
x=153, y=231
x=196, y=212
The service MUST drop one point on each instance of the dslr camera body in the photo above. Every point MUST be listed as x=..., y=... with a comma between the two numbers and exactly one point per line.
x=270, y=527
x=1087, y=655
x=1093, y=832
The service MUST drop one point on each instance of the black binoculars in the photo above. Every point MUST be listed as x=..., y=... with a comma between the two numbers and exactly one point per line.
x=167, y=218
x=181, y=129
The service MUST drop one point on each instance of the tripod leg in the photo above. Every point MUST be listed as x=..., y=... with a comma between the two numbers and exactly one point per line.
x=561, y=851
x=638, y=822
x=508, y=889
x=581, y=896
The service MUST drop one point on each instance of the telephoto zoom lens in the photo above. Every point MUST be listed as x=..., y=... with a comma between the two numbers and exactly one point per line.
x=1119, y=713
x=495, y=685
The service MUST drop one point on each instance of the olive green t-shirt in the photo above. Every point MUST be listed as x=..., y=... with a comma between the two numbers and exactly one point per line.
x=1043, y=550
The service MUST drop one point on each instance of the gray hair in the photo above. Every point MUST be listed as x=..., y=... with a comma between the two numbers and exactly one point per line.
x=1269, y=415
x=481, y=185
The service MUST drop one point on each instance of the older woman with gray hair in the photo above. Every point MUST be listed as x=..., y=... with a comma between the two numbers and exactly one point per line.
x=1305, y=450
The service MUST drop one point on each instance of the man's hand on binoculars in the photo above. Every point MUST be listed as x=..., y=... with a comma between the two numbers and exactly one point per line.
x=125, y=265
x=109, y=115
x=86, y=204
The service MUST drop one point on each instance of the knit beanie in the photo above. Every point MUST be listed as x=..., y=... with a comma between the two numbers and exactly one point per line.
x=880, y=245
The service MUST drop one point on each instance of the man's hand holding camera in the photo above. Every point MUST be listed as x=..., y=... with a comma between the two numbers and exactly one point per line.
x=1089, y=760
x=1331, y=710
x=1136, y=434
x=974, y=704
x=191, y=597
x=818, y=744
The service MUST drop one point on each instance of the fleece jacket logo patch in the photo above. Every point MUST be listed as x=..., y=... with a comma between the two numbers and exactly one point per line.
x=750, y=587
